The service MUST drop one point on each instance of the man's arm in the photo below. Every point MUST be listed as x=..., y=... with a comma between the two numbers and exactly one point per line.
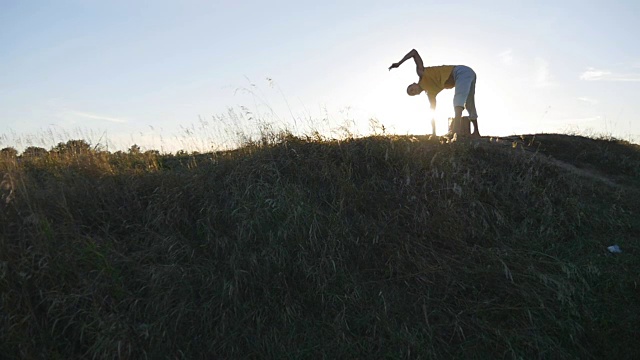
x=416, y=57
x=432, y=101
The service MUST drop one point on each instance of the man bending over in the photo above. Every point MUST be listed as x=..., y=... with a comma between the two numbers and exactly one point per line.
x=434, y=79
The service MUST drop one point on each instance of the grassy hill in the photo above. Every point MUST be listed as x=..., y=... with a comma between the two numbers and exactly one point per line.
x=380, y=247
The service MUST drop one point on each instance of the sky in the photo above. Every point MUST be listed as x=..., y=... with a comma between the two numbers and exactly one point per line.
x=196, y=75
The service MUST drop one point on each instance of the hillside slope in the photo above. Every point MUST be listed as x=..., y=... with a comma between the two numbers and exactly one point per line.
x=379, y=247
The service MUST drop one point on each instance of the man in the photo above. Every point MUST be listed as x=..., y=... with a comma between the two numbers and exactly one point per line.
x=434, y=79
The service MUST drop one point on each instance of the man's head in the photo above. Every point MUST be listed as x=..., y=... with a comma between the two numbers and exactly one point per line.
x=414, y=89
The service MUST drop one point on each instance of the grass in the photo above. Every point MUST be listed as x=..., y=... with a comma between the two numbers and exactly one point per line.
x=297, y=247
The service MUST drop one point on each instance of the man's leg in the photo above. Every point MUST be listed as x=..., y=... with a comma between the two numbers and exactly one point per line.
x=464, y=78
x=471, y=108
x=456, y=125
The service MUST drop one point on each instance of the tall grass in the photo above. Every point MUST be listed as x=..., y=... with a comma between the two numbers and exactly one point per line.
x=308, y=247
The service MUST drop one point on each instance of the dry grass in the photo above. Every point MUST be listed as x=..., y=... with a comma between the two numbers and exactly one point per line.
x=379, y=247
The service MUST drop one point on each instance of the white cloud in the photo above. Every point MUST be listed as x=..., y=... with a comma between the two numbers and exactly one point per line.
x=592, y=74
x=506, y=57
x=97, y=116
x=542, y=73
x=588, y=100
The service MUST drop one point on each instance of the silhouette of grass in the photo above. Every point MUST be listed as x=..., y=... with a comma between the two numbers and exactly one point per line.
x=300, y=247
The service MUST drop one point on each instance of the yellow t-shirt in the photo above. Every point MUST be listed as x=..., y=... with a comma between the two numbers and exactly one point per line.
x=434, y=77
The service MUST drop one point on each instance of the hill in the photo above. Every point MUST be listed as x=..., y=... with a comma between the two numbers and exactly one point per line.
x=379, y=247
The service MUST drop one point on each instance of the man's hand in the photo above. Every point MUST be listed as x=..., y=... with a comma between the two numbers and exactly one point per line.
x=394, y=65
x=433, y=127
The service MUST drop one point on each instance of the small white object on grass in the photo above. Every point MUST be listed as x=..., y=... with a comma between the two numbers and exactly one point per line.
x=614, y=249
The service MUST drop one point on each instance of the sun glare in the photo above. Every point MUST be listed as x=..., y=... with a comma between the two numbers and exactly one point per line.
x=493, y=112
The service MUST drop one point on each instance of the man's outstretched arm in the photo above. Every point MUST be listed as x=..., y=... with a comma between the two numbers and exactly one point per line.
x=432, y=102
x=416, y=57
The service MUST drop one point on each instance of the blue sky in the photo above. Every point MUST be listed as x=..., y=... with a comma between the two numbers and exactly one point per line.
x=164, y=74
